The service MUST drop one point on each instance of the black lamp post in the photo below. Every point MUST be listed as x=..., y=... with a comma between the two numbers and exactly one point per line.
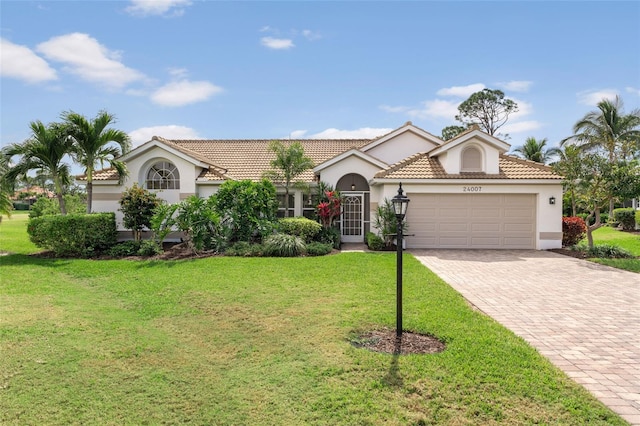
x=400, y=203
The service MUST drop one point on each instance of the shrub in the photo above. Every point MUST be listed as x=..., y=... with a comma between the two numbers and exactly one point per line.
x=302, y=227
x=244, y=249
x=248, y=208
x=149, y=248
x=74, y=235
x=609, y=251
x=387, y=224
x=329, y=235
x=626, y=218
x=573, y=230
x=201, y=225
x=137, y=206
x=283, y=245
x=75, y=204
x=374, y=242
x=124, y=249
x=20, y=206
x=318, y=249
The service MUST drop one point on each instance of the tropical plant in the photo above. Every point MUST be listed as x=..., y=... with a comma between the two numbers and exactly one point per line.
x=329, y=208
x=6, y=205
x=94, y=143
x=44, y=152
x=290, y=162
x=248, y=208
x=302, y=227
x=137, y=206
x=201, y=224
x=608, y=130
x=386, y=223
x=488, y=108
x=163, y=221
x=283, y=245
x=534, y=150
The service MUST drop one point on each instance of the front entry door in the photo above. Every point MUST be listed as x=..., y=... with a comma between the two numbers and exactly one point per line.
x=352, y=219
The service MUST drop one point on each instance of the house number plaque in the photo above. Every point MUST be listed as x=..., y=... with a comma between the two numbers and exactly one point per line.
x=471, y=189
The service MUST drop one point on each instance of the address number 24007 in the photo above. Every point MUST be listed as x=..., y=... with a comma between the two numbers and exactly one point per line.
x=471, y=189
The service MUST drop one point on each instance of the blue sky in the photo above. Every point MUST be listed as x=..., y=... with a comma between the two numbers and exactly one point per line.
x=266, y=70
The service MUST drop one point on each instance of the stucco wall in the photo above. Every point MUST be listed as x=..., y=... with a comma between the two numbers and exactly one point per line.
x=400, y=147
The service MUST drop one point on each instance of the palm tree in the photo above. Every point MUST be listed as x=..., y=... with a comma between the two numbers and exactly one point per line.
x=94, y=143
x=535, y=150
x=290, y=162
x=43, y=152
x=608, y=129
x=5, y=189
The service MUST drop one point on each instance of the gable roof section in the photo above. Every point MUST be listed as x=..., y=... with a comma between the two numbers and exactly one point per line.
x=424, y=166
x=408, y=127
x=472, y=132
x=353, y=152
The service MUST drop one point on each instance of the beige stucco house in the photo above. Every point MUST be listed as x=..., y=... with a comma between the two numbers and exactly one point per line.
x=465, y=192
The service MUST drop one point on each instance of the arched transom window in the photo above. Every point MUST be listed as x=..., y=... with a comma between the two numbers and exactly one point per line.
x=471, y=160
x=163, y=175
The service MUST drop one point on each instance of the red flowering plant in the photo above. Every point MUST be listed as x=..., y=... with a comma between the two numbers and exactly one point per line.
x=329, y=208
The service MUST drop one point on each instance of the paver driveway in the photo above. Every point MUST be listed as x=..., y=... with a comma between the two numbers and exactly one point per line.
x=584, y=317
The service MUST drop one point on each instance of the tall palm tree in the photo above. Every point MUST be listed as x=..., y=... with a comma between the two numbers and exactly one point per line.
x=43, y=152
x=95, y=143
x=535, y=150
x=289, y=163
x=608, y=129
x=5, y=189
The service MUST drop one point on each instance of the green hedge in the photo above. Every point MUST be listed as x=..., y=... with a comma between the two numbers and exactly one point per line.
x=75, y=235
x=626, y=218
x=302, y=227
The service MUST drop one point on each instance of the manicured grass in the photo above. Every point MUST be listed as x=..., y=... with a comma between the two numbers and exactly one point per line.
x=259, y=341
x=13, y=234
x=625, y=240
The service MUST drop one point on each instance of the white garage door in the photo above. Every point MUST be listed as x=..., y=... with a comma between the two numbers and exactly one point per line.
x=496, y=221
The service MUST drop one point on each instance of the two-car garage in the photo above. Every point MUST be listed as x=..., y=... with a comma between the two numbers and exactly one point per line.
x=471, y=220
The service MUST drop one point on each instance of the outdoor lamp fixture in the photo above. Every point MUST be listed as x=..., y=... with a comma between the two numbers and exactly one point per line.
x=353, y=186
x=400, y=203
x=552, y=200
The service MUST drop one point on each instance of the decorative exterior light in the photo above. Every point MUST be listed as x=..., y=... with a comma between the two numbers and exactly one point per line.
x=552, y=200
x=400, y=204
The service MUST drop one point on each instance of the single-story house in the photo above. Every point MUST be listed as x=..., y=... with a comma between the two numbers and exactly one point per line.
x=465, y=192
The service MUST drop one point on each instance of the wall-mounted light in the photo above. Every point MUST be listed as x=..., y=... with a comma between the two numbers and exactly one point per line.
x=353, y=186
x=552, y=200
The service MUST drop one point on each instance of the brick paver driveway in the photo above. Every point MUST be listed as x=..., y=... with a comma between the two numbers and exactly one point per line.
x=584, y=317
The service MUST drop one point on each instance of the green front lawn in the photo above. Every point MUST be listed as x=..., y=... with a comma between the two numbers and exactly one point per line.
x=258, y=341
x=625, y=240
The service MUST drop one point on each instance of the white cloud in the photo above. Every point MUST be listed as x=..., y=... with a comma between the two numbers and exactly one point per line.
x=633, y=90
x=515, y=85
x=180, y=93
x=461, y=91
x=90, y=60
x=362, y=133
x=436, y=108
x=393, y=109
x=277, y=43
x=297, y=134
x=593, y=97
x=519, y=127
x=178, y=72
x=144, y=134
x=311, y=35
x=22, y=63
x=157, y=7
x=524, y=109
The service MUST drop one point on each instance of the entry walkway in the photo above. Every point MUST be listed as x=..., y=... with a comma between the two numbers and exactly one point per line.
x=584, y=317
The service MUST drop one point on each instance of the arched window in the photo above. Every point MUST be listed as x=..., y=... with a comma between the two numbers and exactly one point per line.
x=471, y=160
x=163, y=175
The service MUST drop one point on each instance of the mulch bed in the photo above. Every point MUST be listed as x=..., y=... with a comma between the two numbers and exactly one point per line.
x=386, y=341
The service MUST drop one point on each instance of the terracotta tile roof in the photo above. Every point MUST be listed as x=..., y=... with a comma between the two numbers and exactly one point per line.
x=421, y=166
x=249, y=159
x=104, y=174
